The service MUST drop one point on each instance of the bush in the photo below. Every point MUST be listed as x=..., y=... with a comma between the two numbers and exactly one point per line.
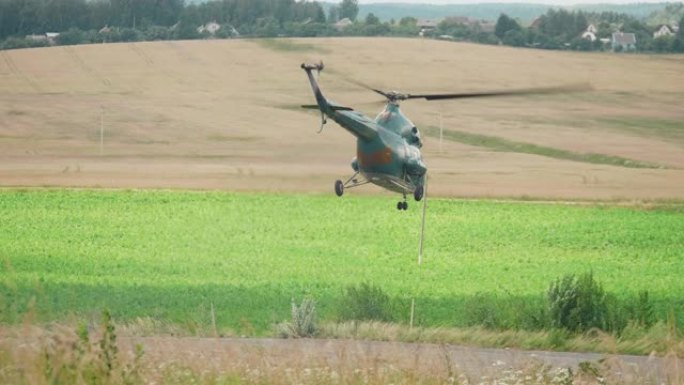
x=303, y=322
x=71, y=37
x=578, y=304
x=14, y=43
x=365, y=303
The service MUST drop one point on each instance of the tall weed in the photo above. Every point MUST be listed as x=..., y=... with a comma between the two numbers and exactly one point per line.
x=303, y=322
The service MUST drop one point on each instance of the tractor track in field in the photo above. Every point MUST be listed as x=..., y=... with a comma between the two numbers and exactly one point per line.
x=12, y=66
x=86, y=68
x=427, y=358
x=140, y=52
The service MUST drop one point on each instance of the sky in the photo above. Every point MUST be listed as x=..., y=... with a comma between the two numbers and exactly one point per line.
x=554, y=2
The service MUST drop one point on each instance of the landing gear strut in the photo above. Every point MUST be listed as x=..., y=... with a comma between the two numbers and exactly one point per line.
x=350, y=183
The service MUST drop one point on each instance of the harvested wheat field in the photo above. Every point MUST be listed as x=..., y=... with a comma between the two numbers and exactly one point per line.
x=222, y=114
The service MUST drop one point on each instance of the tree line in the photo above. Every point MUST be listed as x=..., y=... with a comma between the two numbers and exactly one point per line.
x=97, y=21
x=562, y=29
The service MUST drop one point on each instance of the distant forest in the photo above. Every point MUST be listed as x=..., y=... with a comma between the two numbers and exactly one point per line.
x=36, y=23
x=525, y=12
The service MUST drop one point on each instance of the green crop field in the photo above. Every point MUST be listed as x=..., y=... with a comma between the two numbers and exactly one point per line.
x=175, y=255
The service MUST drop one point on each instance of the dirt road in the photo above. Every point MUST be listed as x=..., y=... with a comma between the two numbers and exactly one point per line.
x=225, y=354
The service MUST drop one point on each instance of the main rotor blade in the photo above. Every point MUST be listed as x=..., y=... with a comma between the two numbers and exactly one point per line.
x=366, y=86
x=521, y=91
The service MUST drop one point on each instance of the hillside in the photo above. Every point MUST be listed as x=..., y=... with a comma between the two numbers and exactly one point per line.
x=223, y=114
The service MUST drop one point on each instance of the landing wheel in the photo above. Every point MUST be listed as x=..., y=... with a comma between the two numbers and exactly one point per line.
x=402, y=206
x=339, y=188
x=418, y=193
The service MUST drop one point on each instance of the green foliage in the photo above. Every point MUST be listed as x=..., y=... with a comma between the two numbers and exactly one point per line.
x=642, y=311
x=577, y=303
x=16, y=43
x=515, y=38
x=71, y=37
x=365, y=302
x=303, y=322
x=503, y=312
x=108, y=347
x=563, y=24
x=504, y=25
x=349, y=9
x=501, y=144
x=371, y=19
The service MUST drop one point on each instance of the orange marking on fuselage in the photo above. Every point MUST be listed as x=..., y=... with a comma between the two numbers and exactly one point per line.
x=377, y=158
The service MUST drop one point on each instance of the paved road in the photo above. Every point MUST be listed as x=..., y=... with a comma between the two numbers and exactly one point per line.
x=221, y=353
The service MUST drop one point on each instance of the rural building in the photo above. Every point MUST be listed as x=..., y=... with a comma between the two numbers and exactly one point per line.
x=210, y=28
x=591, y=36
x=623, y=41
x=536, y=23
x=487, y=26
x=590, y=33
x=343, y=24
x=478, y=25
x=52, y=37
x=663, y=31
x=36, y=37
x=426, y=26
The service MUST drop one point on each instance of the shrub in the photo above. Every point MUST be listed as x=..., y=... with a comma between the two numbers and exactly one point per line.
x=642, y=310
x=303, y=322
x=577, y=303
x=71, y=37
x=365, y=303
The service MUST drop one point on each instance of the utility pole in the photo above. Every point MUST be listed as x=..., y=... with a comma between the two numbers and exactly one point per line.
x=101, y=130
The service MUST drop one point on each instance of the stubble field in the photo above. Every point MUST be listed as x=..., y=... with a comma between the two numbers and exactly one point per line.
x=222, y=115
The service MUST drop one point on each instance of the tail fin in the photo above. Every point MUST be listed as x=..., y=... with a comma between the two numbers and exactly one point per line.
x=320, y=99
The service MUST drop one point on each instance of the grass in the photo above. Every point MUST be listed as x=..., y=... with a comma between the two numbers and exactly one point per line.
x=501, y=144
x=649, y=127
x=195, y=258
x=660, y=338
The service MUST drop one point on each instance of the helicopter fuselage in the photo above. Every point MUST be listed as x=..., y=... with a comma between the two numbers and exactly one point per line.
x=387, y=147
x=392, y=159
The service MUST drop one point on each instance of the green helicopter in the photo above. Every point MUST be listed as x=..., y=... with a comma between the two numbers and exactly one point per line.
x=388, y=147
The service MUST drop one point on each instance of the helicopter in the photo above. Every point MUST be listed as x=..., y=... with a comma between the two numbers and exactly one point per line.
x=388, y=147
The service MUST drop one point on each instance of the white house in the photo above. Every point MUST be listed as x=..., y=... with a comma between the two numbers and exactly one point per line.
x=591, y=36
x=52, y=37
x=664, y=30
x=590, y=33
x=426, y=25
x=343, y=24
x=624, y=41
x=210, y=28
